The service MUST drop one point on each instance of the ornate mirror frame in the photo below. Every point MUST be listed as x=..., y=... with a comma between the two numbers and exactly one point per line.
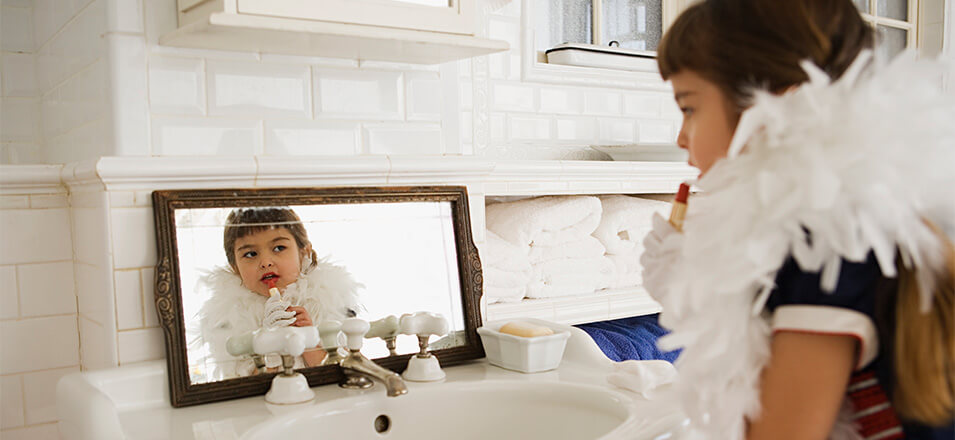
x=168, y=289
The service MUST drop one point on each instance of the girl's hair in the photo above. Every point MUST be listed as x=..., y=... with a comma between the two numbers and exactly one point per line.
x=925, y=345
x=744, y=44
x=242, y=222
x=740, y=45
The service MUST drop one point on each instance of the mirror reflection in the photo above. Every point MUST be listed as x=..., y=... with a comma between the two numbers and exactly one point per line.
x=311, y=266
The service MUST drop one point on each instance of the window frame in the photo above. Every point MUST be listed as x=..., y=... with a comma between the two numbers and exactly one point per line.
x=911, y=25
x=535, y=69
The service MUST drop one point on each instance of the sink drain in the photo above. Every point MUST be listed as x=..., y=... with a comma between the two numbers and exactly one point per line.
x=382, y=424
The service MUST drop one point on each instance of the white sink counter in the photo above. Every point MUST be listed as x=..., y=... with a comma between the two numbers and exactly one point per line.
x=132, y=402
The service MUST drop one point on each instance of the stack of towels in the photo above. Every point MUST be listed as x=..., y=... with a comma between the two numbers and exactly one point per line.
x=625, y=221
x=564, y=245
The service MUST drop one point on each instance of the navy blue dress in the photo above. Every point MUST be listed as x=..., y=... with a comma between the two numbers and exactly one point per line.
x=861, y=294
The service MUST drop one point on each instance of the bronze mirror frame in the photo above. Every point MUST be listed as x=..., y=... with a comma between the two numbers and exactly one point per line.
x=168, y=289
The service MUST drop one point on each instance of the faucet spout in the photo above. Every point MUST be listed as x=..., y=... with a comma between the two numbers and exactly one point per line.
x=358, y=369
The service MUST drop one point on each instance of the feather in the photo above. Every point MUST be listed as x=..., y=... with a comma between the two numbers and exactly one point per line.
x=829, y=171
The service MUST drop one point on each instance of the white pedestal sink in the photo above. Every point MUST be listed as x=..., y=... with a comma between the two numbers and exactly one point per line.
x=462, y=411
x=476, y=401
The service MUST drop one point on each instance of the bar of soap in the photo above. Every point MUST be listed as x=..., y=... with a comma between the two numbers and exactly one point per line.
x=525, y=330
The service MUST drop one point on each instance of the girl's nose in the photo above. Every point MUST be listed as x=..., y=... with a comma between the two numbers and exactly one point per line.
x=266, y=262
x=681, y=139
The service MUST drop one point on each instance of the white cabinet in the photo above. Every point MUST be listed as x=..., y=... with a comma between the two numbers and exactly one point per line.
x=451, y=16
x=413, y=31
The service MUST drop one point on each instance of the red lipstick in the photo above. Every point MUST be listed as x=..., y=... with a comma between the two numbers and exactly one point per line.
x=678, y=211
x=273, y=291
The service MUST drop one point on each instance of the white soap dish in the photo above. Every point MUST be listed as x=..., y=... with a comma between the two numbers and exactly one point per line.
x=527, y=355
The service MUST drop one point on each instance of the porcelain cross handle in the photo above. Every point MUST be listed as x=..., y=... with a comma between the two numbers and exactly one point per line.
x=355, y=329
x=423, y=324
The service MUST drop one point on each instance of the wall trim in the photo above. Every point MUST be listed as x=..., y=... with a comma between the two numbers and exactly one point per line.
x=30, y=179
x=482, y=175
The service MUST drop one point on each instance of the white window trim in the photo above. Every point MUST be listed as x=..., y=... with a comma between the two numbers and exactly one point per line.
x=910, y=26
x=538, y=71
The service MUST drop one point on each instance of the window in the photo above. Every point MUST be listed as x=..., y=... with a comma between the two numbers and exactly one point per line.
x=634, y=24
x=895, y=22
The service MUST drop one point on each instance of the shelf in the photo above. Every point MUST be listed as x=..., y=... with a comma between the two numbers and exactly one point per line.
x=602, y=305
x=244, y=32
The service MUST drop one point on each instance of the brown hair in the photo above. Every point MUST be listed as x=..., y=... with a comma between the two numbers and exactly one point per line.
x=242, y=222
x=925, y=345
x=741, y=45
x=744, y=44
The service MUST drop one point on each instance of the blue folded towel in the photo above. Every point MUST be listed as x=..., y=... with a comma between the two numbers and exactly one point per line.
x=630, y=338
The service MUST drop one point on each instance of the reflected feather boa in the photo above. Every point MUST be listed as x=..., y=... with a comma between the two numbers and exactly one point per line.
x=327, y=292
x=856, y=163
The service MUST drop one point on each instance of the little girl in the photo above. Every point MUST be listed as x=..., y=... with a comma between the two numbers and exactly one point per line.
x=812, y=288
x=266, y=246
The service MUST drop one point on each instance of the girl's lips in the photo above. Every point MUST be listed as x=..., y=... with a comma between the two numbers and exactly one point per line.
x=269, y=276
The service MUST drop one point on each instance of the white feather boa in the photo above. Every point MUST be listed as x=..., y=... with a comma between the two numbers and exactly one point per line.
x=327, y=292
x=855, y=163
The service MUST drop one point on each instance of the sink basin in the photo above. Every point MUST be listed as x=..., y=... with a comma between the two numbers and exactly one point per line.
x=498, y=410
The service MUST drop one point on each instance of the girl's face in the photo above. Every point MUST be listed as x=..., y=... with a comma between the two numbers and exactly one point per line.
x=265, y=255
x=708, y=121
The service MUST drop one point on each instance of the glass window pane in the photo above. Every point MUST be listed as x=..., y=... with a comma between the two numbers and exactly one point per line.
x=863, y=5
x=562, y=21
x=897, y=9
x=636, y=24
x=892, y=40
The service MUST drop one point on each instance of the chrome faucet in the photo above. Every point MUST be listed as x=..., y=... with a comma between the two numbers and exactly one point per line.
x=359, y=370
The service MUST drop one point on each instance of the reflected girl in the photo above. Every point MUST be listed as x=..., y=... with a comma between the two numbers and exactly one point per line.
x=264, y=246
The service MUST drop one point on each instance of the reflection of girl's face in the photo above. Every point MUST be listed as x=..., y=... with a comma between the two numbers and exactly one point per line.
x=265, y=255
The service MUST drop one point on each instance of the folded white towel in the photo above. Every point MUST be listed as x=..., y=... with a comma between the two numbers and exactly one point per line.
x=539, y=289
x=627, y=269
x=495, y=277
x=596, y=271
x=625, y=221
x=548, y=220
x=504, y=255
x=504, y=294
x=642, y=376
x=570, y=276
x=587, y=247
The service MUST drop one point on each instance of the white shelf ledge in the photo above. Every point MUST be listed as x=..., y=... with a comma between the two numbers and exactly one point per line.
x=579, y=309
x=245, y=32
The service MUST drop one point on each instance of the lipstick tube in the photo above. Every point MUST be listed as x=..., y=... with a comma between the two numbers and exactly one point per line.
x=678, y=210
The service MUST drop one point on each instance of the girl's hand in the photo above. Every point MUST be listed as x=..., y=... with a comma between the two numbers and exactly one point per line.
x=662, y=248
x=302, y=319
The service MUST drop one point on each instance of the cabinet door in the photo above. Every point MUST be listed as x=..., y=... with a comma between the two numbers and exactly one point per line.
x=452, y=16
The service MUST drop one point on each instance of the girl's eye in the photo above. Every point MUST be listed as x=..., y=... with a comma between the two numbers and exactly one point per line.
x=687, y=111
x=249, y=254
x=278, y=248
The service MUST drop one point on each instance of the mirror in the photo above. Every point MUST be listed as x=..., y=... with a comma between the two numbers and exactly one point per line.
x=330, y=253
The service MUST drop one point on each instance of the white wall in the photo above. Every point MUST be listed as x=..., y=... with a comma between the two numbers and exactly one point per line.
x=82, y=79
x=38, y=311
x=19, y=128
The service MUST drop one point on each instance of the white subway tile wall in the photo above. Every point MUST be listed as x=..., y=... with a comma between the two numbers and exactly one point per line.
x=129, y=299
x=311, y=138
x=141, y=345
x=177, y=85
x=351, y=94
x=86, y=78
x=258, y=90
x=134, y=237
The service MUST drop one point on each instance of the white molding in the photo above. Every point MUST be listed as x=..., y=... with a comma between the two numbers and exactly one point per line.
x=488, y=176
x=280, y=35
x=30, y=179
x=579, y=309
